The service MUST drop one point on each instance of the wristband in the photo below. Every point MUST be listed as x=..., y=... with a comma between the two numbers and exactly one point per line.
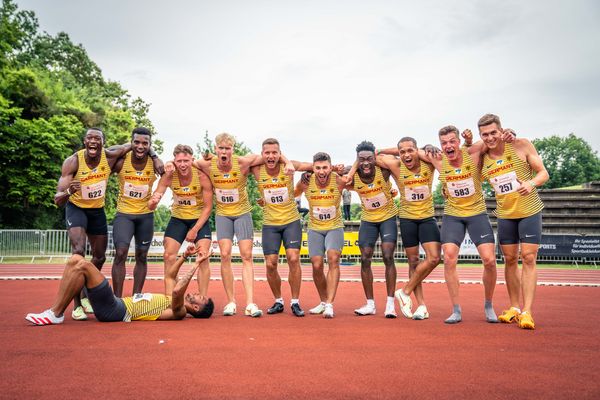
x=68, y=191
x=533, y=185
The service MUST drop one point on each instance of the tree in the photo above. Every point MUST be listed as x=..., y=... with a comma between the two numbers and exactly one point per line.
x=162, y=214
x=569, y=160
x=50, y=92
x=239, y=149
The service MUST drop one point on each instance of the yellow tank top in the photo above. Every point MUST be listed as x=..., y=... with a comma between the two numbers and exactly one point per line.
x=145, y=306
x=278, y=193
x=93, y=182
x=463, y=187
x=324, y=204
x=135, y=187
x=502, y=174
x=375, y=198
x=230, y=189
x=416, y=201
x=187, y=200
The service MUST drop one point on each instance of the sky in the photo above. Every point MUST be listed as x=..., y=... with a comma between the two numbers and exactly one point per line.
x=325, y=75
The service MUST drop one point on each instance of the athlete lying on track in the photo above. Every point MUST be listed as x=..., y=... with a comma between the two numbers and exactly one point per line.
x=174, y=304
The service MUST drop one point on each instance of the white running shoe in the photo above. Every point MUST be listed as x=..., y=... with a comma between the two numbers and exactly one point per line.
x=328, y=312
x=253, y=311
x=390, y=311
x=87, y=306
x=405, y=303
x=44, y=318
x=229, y=309
x=78, y=314
x=319, y=309
x=421, y=313
x=365, y=310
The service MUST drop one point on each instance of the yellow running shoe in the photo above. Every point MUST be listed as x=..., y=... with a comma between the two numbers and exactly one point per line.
x=509, y=316
x=525, y=321
x=87, y=306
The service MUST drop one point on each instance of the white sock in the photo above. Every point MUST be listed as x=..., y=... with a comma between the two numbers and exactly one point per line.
x=390, y=301
x=279, y=300
x=371, y=302
x=295, y=301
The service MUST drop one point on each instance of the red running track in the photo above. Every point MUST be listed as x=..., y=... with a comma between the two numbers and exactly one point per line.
x=548, y=276
x=282, y=356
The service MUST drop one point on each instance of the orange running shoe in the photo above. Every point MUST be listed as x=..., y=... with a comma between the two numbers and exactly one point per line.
x=525, y=321
x=509, y=316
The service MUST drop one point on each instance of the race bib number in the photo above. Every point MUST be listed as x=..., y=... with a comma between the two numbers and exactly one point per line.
x=506, y=183
x=416, y=193
x=141, y=297
x=324, y=213
x=276, y=196
x=464, y=188
x=93, y=191
x=135, y=191
x=185, y=200
x=375, y=202
x=227, y=196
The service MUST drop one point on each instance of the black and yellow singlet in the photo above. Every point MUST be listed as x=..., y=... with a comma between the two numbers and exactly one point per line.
x=145, y=306
x=416, y=201
x=503, y=173
x=187, y=200
x=375, y=198
x=278, y=194
x=135, y=187
x=93, y=182
x=230, y=189
x=463, y=187
x=324, y=204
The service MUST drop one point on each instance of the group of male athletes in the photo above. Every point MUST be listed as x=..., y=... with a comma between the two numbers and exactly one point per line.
x=510, y=164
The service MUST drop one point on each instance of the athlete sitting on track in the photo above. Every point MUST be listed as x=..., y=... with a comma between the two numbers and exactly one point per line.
x=172, y=305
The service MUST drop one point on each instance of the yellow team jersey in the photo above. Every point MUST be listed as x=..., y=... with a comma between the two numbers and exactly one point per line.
x=375, y=198
x=145, y=306
x=230, y=189
x=187, y=200
x=93, y=182
x=502, y=174
x=463, y=187
x=416, y=201
x=278, y=194
x=324, y=204
x=135, y=187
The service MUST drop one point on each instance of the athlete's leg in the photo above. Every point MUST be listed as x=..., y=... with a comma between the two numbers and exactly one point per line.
x=118, y=270
x=248, y=269
x=123, y=232
x=144, y=231
x=529, y=276
x=295, y=274
x=273, y=277
x=226, y=271
x=366, y=273
x=76, y=274
x=512, y=273
x=204, y=268
x=413, y=285
x=319, y=277
x=387, y=250
x=98, y=245
x=333, y=274
x=140, y=270
x=450, y=274
x=488, y=257
x=77, y=237
x=171, y=247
